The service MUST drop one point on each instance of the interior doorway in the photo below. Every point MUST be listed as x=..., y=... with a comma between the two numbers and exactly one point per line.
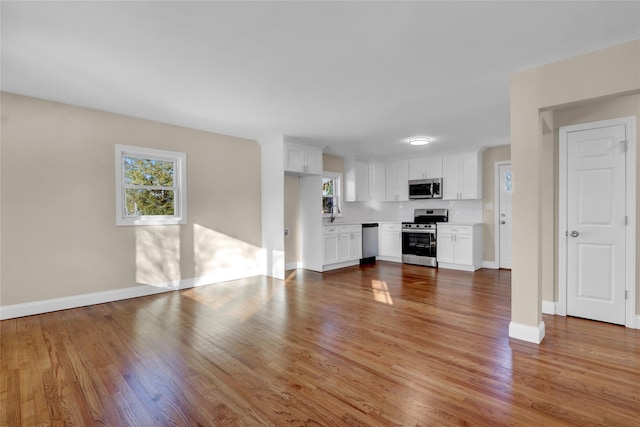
x=597, y=221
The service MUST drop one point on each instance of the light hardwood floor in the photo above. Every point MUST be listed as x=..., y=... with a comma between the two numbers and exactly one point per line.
x=380, y=345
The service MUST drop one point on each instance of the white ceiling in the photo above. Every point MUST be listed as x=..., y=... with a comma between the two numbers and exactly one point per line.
x=354, y=77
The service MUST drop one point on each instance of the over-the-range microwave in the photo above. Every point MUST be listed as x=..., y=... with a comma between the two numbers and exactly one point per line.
x=425, y=188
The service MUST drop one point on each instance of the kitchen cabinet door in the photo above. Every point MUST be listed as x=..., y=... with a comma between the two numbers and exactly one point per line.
x=460, y=247
x=356, y=174
x=355, y=245
x=450, y=177
x=433, y=167
x=294, y=158
x=469, y=178
x=303, y=160
x=463, y=251
x=314, y=162
x=418, y=168
x=425, y=167
x=377, y=182
x=330, y=248
x=343, y=247
x=397, y=181
x=462, y=176
x=362, y=181
x=445, y=248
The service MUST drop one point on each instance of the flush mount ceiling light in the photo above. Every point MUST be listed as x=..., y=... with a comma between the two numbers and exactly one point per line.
x=419, y=140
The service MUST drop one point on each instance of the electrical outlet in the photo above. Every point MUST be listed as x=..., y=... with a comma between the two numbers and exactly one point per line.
x=286, y=232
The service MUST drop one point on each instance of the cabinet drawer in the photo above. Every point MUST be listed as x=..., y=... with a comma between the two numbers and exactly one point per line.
x=354, y=228
x=462, y=229
x=330, y=229
x=390, y=227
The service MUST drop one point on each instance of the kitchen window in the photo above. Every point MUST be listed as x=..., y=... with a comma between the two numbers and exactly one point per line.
x=331, y=183
x=151, y=186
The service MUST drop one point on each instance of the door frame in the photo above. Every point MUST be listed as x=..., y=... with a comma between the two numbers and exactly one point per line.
x=630, y=201
x=496, y=210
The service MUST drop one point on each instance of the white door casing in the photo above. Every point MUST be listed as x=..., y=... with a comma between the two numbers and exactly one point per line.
x=504, y=214
x=596, y=236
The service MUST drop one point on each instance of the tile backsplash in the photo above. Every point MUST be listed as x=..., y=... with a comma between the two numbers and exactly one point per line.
x=459, y=210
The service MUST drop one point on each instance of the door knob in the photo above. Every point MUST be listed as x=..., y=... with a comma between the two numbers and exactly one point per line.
x=574, y=233
x=503, y=222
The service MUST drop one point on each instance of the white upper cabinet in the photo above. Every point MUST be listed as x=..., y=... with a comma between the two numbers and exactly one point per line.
x=377, y=182
x=356, y=173
x=302, y=159
x=462, y=176
x=425, y=167
x=397, y=181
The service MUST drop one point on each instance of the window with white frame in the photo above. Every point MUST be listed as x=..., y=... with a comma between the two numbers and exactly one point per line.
x=331, y=193
x=151, y=186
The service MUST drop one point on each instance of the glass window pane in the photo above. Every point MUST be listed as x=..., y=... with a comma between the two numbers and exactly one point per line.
x=139, y=171
x=143, y=202
x=327, y=204
x=508, y=185
x=327, y=187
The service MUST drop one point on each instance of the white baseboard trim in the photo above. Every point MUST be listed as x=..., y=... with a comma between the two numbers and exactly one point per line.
x=330, y=267
x=64, y=303
x=548, y=307
x=490, y=264
x=461, y=267
x=637, y=325
x=293, y=266
x=526, y=332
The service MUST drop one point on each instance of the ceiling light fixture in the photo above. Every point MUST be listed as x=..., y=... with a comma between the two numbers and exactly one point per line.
x=419, y=140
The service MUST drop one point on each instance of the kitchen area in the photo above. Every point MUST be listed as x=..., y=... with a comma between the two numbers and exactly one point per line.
x=427, y=210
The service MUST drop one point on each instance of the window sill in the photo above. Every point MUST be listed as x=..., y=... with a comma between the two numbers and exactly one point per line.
x=150, y=221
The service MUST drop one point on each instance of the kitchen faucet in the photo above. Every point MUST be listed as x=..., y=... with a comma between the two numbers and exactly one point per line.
x=333, y=212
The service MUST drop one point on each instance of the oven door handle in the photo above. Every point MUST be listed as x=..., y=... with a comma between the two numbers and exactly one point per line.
x=408, y=230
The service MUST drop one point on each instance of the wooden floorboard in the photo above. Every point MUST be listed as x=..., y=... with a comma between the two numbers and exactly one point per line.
x=381, y=345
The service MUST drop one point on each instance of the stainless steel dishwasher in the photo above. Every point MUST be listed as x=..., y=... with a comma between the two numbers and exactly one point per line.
x=369, y=243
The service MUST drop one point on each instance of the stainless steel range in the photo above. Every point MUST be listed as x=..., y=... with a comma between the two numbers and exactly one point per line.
x=419, y=236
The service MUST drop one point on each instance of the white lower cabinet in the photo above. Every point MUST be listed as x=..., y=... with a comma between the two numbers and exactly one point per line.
x=459, y=247
x=390, y=242
x=330, y=248
x=342, y=246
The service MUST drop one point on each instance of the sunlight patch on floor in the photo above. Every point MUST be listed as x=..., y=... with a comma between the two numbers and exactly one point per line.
x=381, y=292
x=290, y=276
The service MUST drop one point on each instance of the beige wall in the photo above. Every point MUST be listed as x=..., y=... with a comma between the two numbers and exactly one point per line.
x=611, y=108
x=292, y=219
x=610, y=72
x=489, y=159
x=59, y=236
x=332, y=163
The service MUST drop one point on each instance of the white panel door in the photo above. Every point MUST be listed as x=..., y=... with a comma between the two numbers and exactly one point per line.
x=596, y=224
x=505, y=223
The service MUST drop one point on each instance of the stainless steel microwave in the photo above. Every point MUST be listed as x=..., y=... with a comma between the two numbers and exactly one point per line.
x=425, y=188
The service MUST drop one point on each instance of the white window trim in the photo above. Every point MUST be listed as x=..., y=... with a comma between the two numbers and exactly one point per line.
x=180, y=183
x=337, y=192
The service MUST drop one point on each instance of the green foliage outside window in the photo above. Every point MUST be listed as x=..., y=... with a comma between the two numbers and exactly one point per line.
x=149, y=187
x=328, y=196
